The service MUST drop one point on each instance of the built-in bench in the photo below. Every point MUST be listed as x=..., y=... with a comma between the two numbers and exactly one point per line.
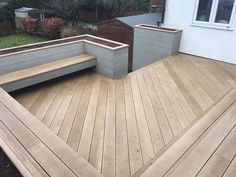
x=33, y=148
x=111, y=56
x=30, y=76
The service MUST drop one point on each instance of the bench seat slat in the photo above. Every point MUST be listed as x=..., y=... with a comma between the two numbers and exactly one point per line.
x=45, y=68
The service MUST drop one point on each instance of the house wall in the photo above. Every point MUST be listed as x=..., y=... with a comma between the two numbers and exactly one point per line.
x=211, y=43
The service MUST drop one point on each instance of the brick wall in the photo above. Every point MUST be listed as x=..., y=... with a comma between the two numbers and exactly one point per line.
x=158, y=3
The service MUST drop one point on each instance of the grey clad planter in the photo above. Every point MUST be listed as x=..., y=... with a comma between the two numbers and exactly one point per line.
x=152, y=43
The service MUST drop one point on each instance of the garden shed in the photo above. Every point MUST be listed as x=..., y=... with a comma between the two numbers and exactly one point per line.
x=25, y=12
x=122, y=29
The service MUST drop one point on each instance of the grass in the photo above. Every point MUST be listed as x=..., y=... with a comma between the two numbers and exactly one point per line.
x=18, y=39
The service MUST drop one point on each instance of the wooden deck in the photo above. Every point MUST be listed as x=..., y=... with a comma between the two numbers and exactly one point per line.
x=123, y=126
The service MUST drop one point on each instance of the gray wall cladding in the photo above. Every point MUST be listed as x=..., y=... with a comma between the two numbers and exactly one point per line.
x=111, y=63
x=37, y=57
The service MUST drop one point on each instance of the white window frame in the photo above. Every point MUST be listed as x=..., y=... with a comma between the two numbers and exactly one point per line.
x=211, y=23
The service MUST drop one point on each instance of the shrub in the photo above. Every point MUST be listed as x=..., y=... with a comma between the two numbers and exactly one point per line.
x=69, y=31
x=78, y=30
x=30, y=25
x=52, y=27
x=6, y=28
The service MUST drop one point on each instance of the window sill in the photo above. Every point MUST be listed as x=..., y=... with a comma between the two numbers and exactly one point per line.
x=212, y=27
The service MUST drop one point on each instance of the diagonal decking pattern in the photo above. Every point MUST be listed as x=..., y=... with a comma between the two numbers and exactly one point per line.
x=119, y=126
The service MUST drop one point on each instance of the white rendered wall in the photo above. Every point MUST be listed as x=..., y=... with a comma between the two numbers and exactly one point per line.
x=211, y=43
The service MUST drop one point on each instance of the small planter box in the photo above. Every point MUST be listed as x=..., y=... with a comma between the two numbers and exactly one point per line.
x=152, y=43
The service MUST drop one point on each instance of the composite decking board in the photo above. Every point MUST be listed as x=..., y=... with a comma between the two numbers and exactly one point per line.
x=71, y=112
x=206, y=83
x=122, y=151
x=229, y=70
x=158, y=109
x=199, y=155
x=231, y=170
x=45, y=68
x=154, y=128
x=175, y=139
x=21, y=153
x=134, y=116
x=179, y=96
x=190, y=86
x=199, y=94
x=51, y=112
x=179, y=113
x=38, y=101
x=64, y=106
x=77, y=126
x=145, y=137
x=135, y=152
x=197, y=82
x=33, y=145
x=173, y=121
x=222, y=157
x=29, y=100
x=184, y=90
x=205, y=79
x=164, y=164
x=109, y=150
x=52, y=92
x=210, y=74
x=198, y=86
x=88, y=127
x=210, y=66
x=221, y=68
x=41, y=139
x=97, y=146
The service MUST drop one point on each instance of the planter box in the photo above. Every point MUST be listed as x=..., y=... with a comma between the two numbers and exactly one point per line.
x=152, y=43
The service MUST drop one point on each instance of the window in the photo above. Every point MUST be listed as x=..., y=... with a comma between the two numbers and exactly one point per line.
x=214, y=13
x=34, y=14
x=224, y=11
x=204, y=10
